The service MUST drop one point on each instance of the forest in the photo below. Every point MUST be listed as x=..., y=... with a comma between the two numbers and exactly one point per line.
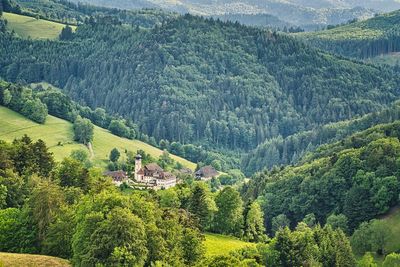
x=280, y=151
x=239, y=87
x=356, y=176
x=72, y=212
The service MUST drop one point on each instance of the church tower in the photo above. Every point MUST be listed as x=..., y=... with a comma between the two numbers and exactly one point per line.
x=138, y=165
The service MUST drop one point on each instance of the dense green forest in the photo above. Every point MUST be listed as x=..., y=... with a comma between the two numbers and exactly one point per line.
x=361, y=39
x=357, y=177
x=280, y=151
x=69, y=211
x=201, y=81
x=36, y=101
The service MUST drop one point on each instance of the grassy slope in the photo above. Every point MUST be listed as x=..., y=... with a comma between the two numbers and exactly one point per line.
x=222, y=245
x=26, y=26
x=370, y=29
x=55, y=130
x=393, y=222
x=26, y=260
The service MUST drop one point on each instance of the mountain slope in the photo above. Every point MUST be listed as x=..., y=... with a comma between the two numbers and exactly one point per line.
x=357, y=176
x=58, y=135
x=284, y=151
x=202, y=81
x=363, y=39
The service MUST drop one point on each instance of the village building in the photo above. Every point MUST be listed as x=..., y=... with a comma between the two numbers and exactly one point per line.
x=153, y=175
x=206, y=173
x=118, y=177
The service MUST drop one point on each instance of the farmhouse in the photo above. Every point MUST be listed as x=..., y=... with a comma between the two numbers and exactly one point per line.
x=206, y=173
x=153, y=175
x=118, y=177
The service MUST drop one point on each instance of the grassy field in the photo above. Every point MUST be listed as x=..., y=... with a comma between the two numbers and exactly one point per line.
x=393, y=222
x=58, y=135
x=222, y=245
x=26, y=27
x=26, y=260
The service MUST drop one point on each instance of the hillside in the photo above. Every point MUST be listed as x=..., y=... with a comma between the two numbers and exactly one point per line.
x=34, y=28
x=58, y=135
x=336, y=178
x=285, y=151
x=238, y=88
x=363, y=39
x=27, y=260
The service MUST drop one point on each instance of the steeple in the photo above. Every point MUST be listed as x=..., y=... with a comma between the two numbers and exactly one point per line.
x=138, y=165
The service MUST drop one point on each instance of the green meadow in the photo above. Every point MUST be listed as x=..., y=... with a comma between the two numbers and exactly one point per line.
x=58, y=135
x=34, y=28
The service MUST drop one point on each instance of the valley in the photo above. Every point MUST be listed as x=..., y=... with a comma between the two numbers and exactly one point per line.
x=199, y=133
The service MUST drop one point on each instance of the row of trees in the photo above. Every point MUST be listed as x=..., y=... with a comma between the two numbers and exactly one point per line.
x=23, y=101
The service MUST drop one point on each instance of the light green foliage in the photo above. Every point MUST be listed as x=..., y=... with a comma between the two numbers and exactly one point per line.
x=229, y=216
x=81, y=155
x=254, y=229
x=202, y=205
x=169, y=198
x=45, y=201
x=120, y=239
x=6, y=97
x=372, y=236
x=118, y=128
x=35, y=110
x=16, y=231
x=83, y=130
x=367, y=261
x=392, y=260
x=58, y=239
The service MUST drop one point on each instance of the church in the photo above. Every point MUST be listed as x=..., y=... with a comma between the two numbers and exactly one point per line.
x=153, y=175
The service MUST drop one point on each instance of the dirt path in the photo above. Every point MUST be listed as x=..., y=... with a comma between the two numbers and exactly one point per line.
x=90, y=147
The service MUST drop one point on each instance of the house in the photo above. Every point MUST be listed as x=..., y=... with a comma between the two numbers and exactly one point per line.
x=153, y=175
x=206, y=173
x=118, y=177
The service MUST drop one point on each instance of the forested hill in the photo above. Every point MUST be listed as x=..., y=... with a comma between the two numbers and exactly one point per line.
x=200, y=80
x=363, y=39
x=280, y=151
x=357, y=176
